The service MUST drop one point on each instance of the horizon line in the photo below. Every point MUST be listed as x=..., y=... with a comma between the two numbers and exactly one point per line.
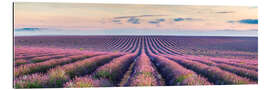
x=138, y=35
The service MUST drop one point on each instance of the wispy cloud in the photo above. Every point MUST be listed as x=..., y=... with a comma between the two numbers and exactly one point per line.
x=153, y=22
x=223, y=12
x=232, y=30
x=253, y=7
x=231, y=21
x=161, y=20
x=136, y=19
x=28, y=29
x=157, y=21
x=125, y=17
x=132, y=31
x=186, y=19
x=116, y=21
x=178, y=19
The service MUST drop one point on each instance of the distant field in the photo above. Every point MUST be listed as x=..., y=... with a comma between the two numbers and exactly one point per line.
x=105, y=61
x=229, y=47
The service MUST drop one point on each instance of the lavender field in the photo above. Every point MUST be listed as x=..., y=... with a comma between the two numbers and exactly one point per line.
x=113, y=61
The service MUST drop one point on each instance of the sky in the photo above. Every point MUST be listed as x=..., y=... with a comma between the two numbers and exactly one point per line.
x=32, y=19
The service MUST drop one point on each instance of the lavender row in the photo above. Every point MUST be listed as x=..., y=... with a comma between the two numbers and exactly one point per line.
x=43, y=66
x=57, y=77
x=176, y=74
x=110, y=73
x=214, y=74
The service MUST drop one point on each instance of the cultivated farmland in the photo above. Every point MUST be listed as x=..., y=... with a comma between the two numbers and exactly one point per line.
x=112, y=61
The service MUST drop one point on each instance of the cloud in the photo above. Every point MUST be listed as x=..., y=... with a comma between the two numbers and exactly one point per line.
x=153, y=22
x=232, y=30
x=123, y=17
x=126, y=17
x=133, y=20
x=134, y=31
x=150, y=15
x=28, y=29
x=245, y=21
x=231, y=21
x=137, y=19
x=189, y=19
x=161, y=20
x=178, y=19
x=186, y=19
x=253, y=7
x=225, y=12
x=249, y=21
x=157, y=21
x=116, y=20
